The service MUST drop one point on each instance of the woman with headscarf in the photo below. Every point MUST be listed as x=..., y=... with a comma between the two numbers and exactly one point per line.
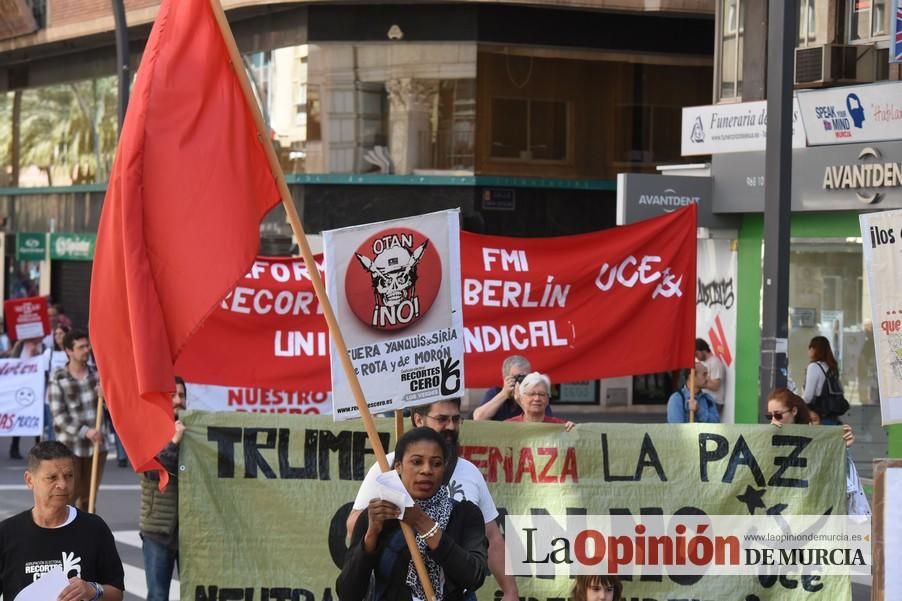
x=450, y=534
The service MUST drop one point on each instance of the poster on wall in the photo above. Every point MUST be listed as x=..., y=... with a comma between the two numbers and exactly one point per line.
x=395, y=289
x=881, y=235
x=715, y=319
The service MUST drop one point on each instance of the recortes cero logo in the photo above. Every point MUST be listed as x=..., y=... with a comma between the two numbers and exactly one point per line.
x=393, y=279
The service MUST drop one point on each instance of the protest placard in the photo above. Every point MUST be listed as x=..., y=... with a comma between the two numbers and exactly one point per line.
x=26, y=317
x=881, y=236
x=22, y=396
x=395, y=288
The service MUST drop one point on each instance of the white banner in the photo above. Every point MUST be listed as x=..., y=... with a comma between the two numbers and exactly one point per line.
x=881, y=240
x=209, y=397
x=22, y=396
x=853, y=114
x=722, y=128
x=395, y=288
x=715, y=313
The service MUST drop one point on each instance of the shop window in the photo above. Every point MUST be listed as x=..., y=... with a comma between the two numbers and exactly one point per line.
x=372, y=114
x=529, y=130
x=314, y=126
x=651, y=129
x=732, y=25
x=807, y=22
x=867, y=20
x=827, y=298
x=455, y=130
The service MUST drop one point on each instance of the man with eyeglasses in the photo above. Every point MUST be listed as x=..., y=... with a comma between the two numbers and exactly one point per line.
x=464, y=480
x=159, y=519
x=500, y=404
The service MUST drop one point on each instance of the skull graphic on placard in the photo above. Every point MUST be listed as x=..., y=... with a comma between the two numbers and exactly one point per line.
x=394, y=273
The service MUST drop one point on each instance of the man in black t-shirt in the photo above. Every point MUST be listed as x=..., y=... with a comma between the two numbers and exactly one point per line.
x=53, y=534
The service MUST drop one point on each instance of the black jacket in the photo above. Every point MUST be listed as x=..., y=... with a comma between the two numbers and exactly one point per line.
x=462, y=554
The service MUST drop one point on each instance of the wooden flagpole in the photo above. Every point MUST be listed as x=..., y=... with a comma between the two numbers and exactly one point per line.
x=298, y=230
x=399, y=424
x=691, y=394
x=95, y=460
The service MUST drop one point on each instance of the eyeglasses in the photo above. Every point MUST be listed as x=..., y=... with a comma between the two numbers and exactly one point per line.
x=777, y=415
x=536, y=395
x=444, y=419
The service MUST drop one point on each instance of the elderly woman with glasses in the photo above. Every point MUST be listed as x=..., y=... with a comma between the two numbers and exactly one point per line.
x=787, y=408
x=534, y=393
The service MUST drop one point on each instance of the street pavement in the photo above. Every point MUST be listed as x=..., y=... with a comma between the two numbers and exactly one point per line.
x=118, y=504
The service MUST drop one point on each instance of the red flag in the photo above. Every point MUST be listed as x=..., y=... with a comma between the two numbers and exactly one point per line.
x=180, y=222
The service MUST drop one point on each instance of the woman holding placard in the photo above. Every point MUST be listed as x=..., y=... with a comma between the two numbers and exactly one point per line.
x=450, y=534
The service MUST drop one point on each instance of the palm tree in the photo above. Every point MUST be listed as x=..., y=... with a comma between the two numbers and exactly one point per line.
x=69, y=128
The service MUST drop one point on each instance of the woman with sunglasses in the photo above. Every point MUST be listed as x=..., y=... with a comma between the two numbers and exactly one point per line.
x=786, y=407
x=534, y=394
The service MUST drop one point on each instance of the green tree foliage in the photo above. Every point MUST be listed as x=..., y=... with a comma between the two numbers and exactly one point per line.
x=68, y=129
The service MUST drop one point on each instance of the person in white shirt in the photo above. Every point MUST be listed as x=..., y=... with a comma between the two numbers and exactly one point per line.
x=465, y=482
x=716, y=372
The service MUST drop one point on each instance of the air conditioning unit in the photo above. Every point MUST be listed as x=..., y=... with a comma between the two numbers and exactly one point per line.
x=835, y=63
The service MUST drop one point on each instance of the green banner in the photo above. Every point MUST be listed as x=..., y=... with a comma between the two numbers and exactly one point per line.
x=72, y=247
x=264, y=498
x=31, y=246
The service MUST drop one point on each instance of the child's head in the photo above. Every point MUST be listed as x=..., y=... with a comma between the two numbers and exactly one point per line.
x=597, y=588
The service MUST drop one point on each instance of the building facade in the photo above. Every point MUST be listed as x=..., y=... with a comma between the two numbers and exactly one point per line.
x=521, y=114
x=840, y=43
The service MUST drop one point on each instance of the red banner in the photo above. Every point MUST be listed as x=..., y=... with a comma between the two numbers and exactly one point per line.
x=610, y=303
x=269, y=332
